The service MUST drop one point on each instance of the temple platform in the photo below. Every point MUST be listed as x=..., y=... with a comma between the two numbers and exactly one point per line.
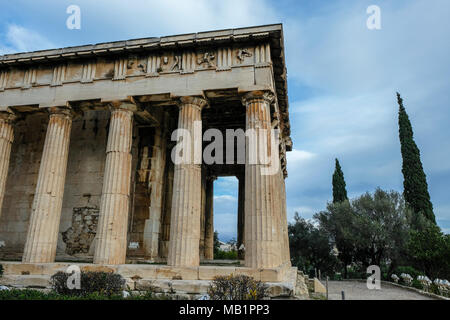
x=186, y=281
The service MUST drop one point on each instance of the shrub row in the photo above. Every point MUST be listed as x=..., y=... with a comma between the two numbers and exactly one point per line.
x=103, y=283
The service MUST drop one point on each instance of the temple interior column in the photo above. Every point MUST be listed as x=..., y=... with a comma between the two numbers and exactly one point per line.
x=286, y=257
x=165, y=225
x=262, y=235
x=203, y=215
x=42, y=236
x=186, y=204
x=241, y=217
x=6, y=139
x=209, y=218
x=153, y=224
x=111, y=243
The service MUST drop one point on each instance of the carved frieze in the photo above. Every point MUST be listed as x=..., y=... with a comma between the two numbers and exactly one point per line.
x=262, y=55
x=59, y=75
x=3, y=79
x=88, y=72
x=224, y=59
x=206, y=59
x=29, y=78
x=243, y=54
x=188, y=62
x=154, y=64
x=120, y=69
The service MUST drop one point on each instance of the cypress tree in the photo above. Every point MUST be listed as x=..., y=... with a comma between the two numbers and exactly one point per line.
x=339, y=191
x=414, y=178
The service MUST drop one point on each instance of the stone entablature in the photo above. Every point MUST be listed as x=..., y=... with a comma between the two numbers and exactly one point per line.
x=47, y=78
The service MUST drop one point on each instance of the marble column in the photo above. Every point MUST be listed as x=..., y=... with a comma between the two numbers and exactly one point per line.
x=262, y=235
x=209, y=218
x=153, y=224
x=7, y=119
x=186, y=201
x=203, y=215
x=111, y=238
x=241, y=216
x=165, y=225
x=42, y=236
x=286, y=257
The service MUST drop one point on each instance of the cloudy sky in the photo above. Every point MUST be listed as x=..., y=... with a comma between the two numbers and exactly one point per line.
x=342, y=80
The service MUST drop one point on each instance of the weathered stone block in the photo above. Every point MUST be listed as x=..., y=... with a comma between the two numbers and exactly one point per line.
x=280, y=289
x=98, y=268
x=142, y=271
x=177, y=273
x=250, y=272
x=319, y=287
x=209, y=272
x=271, y=275
x=190, y=286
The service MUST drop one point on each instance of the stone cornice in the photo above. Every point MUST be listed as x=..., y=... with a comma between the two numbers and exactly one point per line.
x=154, y=43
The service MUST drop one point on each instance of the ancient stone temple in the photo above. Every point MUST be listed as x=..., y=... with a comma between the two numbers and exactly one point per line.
x=86, y=138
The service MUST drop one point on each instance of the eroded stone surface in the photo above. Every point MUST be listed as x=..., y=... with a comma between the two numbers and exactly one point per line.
x=78, y=238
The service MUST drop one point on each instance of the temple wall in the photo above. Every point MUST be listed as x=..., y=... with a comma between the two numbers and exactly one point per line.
x=21, y=182
x=86, y=164
x=84, y=179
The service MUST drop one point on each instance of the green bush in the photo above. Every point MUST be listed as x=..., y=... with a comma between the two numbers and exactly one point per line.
x=336, y=277
x=416, y=284
x=26, y=294
x=225, y=255
x=409, y=270
x=238, y=287
x=356, y=272
x=32, y=294
x=102, y=283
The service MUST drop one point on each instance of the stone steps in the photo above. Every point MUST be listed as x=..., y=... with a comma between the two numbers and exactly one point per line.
x=158, y=278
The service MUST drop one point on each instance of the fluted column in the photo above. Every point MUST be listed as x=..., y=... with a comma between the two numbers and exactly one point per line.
x=241, y=217
x=262, y=234
x=286, y=256
x=42, y=237
x=203, y=215
x=6, y=139
x=186, y=201
x=209, y=218
x=165, y=226
x=153, y=224
x=111, y=245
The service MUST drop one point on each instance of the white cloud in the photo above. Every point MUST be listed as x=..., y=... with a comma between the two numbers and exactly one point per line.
x=224, y=198
x=21, y=39
x=351, y=74
x=159, y=18
x=226, y=225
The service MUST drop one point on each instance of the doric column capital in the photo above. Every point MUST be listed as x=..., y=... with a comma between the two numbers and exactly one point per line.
x=196, y=101
x=65, y=112
x=8, y=116
x=122, y=106
x=255, y=96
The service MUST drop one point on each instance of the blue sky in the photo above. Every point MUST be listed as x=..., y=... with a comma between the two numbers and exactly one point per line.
x=342, y=81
